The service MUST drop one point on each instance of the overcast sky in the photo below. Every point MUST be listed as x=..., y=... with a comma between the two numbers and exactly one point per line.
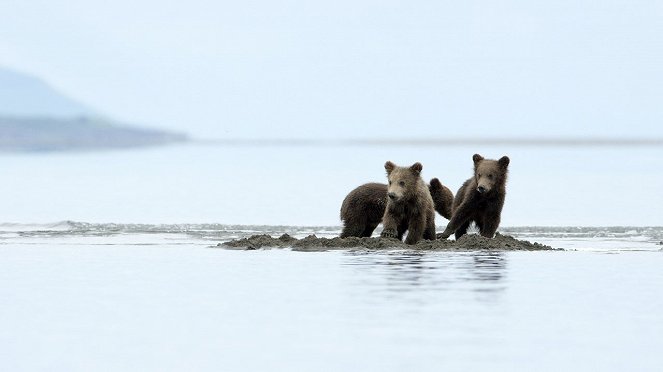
x=351, y=68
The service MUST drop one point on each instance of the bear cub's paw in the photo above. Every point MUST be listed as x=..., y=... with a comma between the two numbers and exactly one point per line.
x=389, y=233
x=444, y=235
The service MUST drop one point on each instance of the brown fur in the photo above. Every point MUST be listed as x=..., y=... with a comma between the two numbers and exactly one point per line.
x=363, y=208
x=480, y=199
x=443, y=198
x=409, y=206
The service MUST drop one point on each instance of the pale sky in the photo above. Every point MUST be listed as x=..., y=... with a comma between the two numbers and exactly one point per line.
x=270, y=68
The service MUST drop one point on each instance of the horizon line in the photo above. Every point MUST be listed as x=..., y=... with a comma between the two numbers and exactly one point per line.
x=438, y=142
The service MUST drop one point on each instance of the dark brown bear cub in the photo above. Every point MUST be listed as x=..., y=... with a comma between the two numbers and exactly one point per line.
x=410, y=205
x=363, y=208
x=443, y=198
x=480, y=199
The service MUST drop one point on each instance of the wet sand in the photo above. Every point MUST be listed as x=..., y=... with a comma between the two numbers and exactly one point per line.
x=470, y=242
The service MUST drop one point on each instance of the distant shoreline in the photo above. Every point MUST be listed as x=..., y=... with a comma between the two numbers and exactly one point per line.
x=44, y=134
x=438, y=142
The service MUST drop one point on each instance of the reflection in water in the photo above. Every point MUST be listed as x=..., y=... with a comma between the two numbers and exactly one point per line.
x=392, y=274
x=489, y=266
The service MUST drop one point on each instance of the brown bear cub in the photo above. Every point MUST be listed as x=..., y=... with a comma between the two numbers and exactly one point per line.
x=480, y=199
x=409, y=207
x=363, y=208
x=443, y=198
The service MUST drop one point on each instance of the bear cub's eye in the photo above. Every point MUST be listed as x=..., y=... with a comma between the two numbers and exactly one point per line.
x=490, y=176
x=389, y=182
x=402, y=183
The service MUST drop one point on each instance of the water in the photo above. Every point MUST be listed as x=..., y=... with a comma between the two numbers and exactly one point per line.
x=82, y=296
x=140, y=286
x=304, y=186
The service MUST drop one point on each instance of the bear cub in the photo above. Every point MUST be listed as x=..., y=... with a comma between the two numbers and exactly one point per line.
x=443, y=198
x=409, y=206
x=363, y=208
x=480, y=199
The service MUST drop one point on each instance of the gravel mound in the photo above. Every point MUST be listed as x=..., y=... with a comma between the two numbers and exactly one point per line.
x=469, y=242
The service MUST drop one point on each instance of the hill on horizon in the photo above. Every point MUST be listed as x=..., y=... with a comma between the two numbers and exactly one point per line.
x=24, y=95
x=36, y=117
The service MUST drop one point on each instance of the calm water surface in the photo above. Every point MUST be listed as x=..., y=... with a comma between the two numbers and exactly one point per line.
x=80, y=297
x=304, y=186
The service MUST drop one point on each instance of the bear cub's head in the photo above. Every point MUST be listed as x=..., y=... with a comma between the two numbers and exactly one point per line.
x=490, y=174
x=403, y=181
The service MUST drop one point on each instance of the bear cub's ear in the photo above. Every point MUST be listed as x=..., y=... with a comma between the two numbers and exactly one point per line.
x=477, y=158
x=389, y=166
x=416, y=168
x=435, y=184
x=503, y=162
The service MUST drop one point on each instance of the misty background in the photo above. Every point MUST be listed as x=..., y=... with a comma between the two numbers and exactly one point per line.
x=351, y=68
x=200, y=75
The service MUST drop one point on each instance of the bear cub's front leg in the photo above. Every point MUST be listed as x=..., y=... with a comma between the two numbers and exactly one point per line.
x=390, y=227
